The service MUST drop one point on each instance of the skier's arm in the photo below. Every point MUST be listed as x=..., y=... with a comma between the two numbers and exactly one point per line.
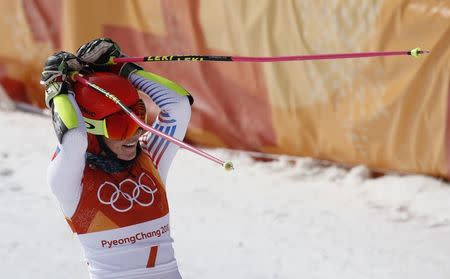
x=66, y=168
x=175, y=112
x=65, y=171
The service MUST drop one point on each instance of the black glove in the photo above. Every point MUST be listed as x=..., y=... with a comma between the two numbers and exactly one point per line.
x=55, y=75
x=98, y=52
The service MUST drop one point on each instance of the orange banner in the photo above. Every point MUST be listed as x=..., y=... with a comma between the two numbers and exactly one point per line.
x=388, y=113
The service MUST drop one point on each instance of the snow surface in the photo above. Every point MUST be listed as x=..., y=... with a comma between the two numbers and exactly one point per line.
x=290, y=218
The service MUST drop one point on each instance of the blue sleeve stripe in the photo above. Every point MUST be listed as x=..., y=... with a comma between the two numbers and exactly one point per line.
x=161, y=142
x=159, y=156
x=161, y=119
x=162, y=100
x=140, y=82
x=155, y=98
x=134, y=78
x=152, y=94
x=155, y=141
x=165, y=104
x=152, y=138
x=146, y=86
x=162, y=94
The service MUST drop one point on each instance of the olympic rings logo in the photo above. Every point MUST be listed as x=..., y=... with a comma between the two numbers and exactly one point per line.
x=116, y=193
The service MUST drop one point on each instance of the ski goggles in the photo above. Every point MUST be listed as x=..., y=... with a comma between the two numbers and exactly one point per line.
x=119, y=125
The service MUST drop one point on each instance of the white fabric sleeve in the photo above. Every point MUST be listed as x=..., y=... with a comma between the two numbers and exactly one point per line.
x=173, y=119
x=65, y=171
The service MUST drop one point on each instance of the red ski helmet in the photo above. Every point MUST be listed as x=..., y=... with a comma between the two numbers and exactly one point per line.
x=101, y=115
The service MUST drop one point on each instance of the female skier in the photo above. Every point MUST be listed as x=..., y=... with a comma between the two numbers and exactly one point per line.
x=107, y=174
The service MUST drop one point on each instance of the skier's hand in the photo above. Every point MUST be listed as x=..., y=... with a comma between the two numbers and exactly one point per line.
x=98, y=53
x=55, y=75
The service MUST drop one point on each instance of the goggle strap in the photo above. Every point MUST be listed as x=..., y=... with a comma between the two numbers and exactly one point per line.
x=96, y=127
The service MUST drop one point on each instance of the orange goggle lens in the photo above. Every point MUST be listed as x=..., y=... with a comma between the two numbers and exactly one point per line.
x=120, y=126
